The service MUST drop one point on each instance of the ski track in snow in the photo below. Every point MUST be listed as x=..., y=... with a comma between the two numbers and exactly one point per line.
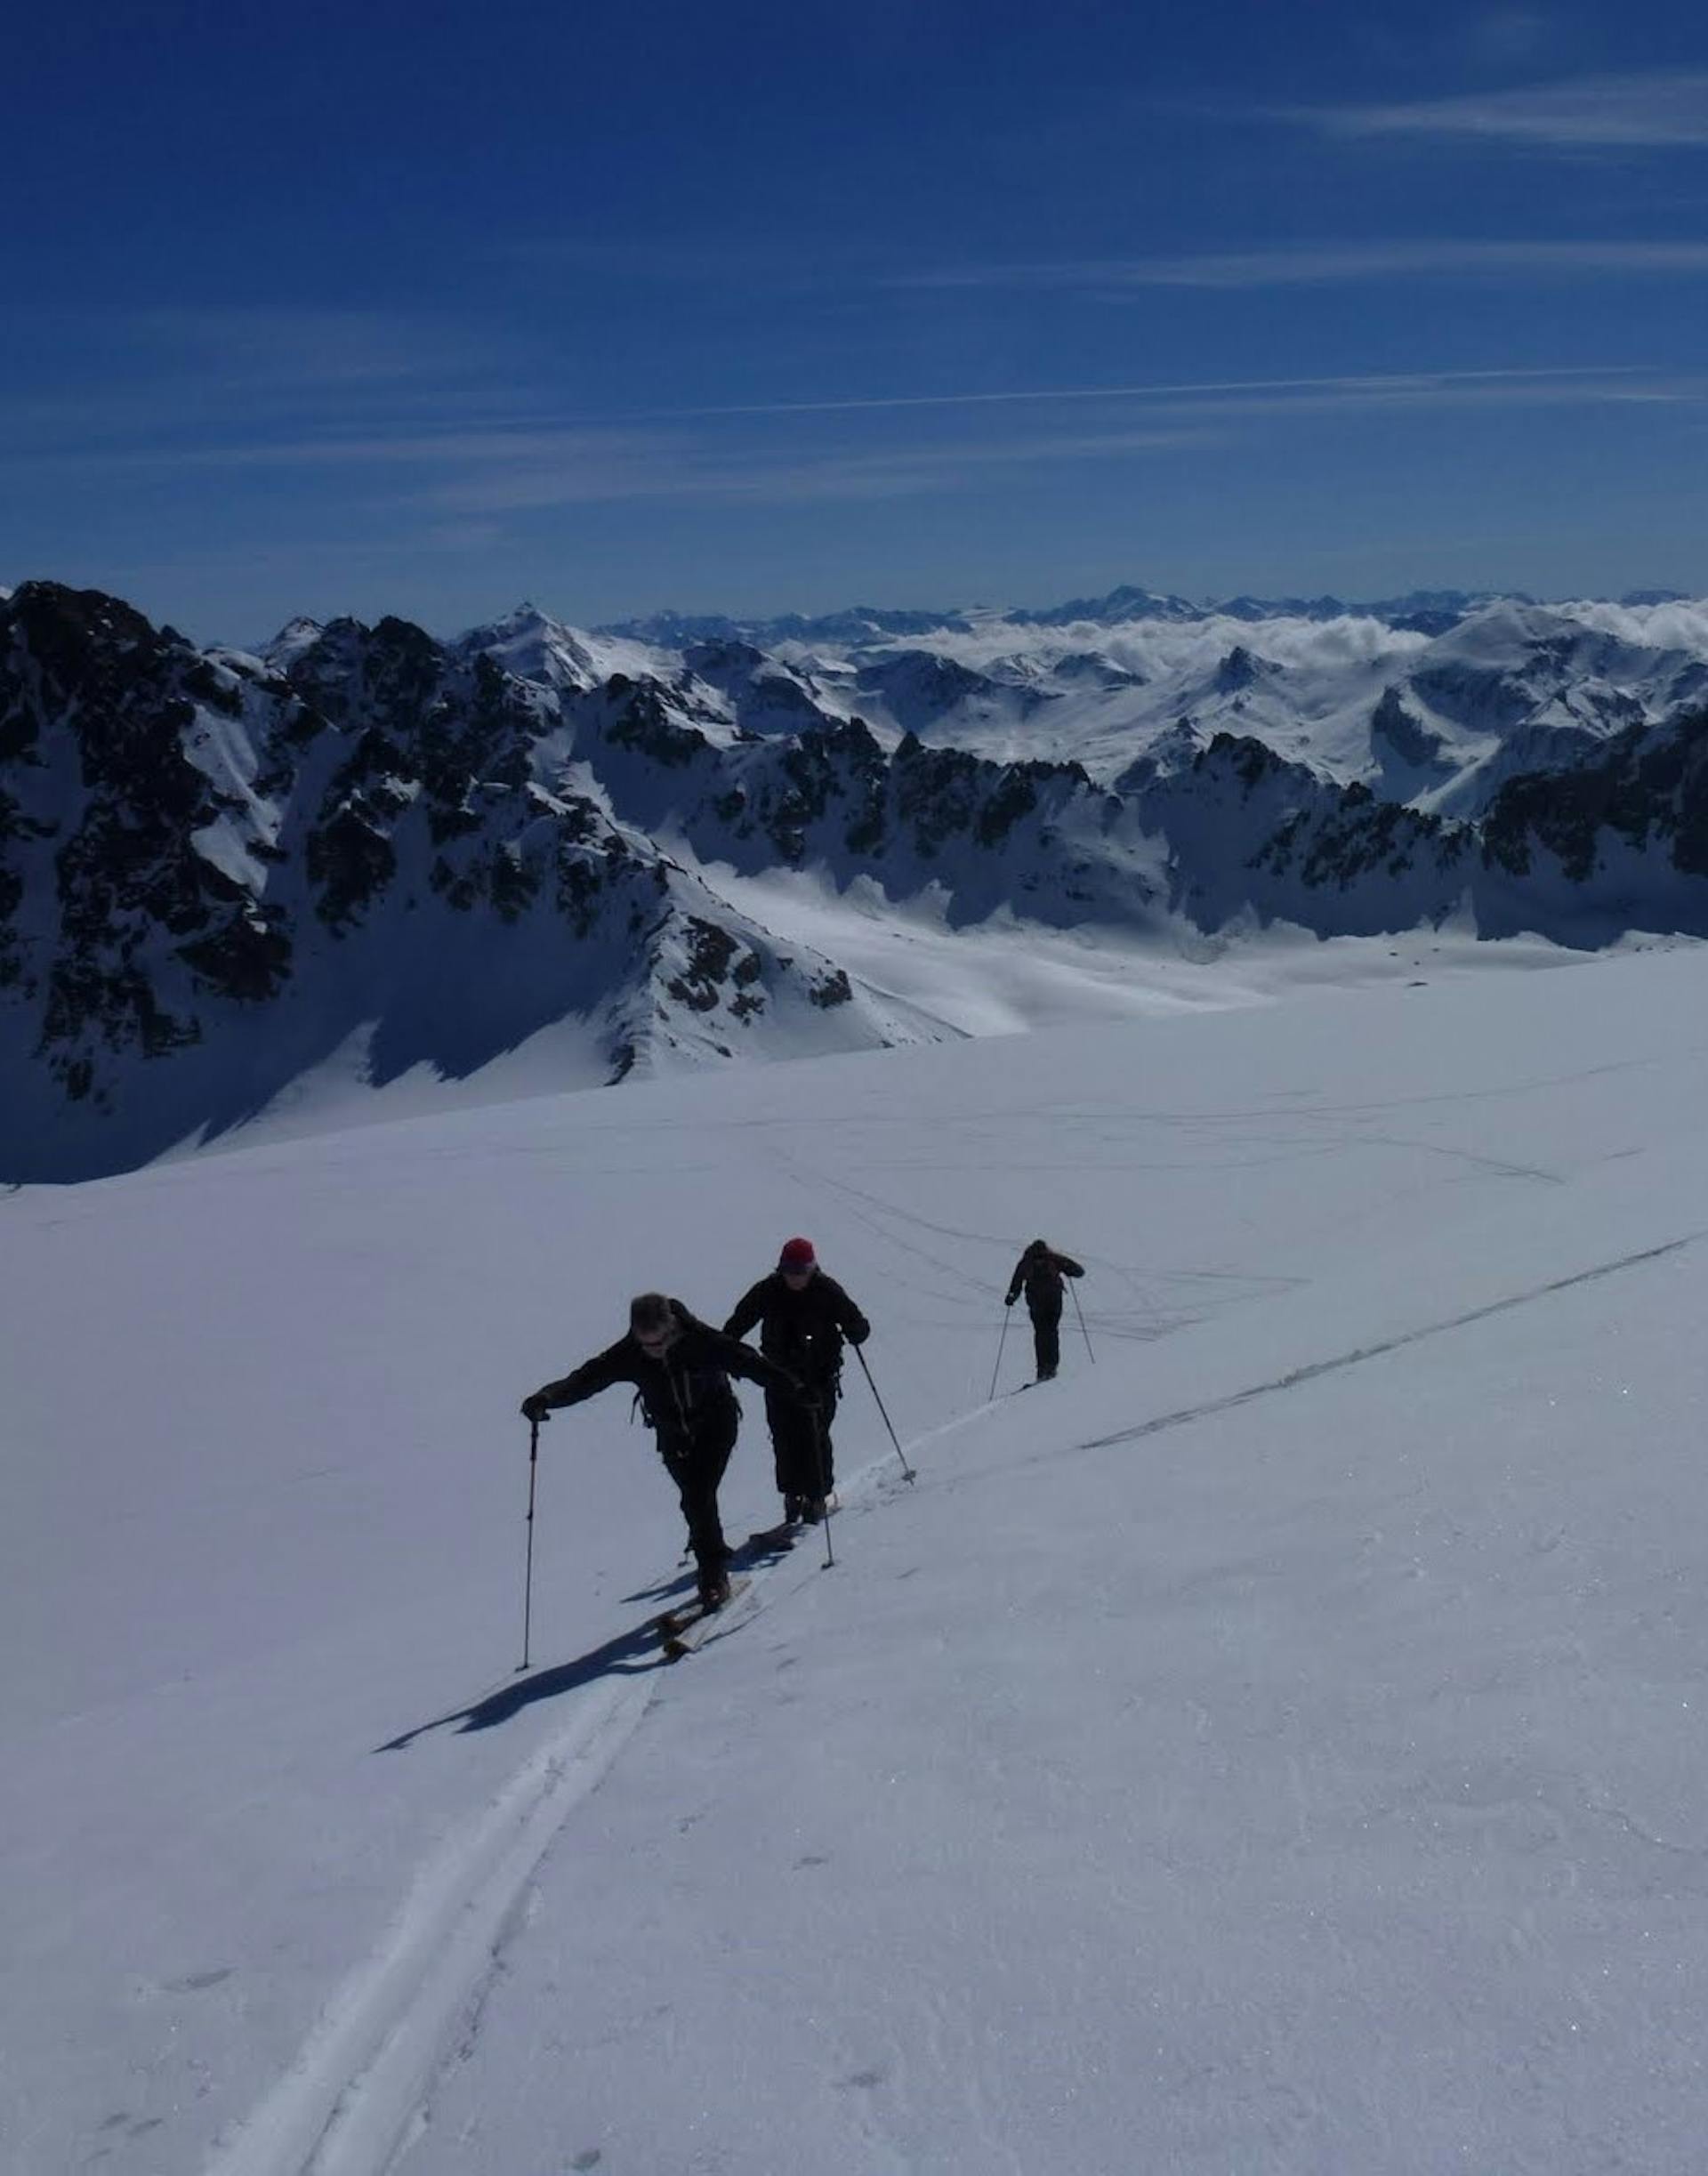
x=1294, y=1376
x=344, y=2108
x=355, y=2098
x=352, y=2101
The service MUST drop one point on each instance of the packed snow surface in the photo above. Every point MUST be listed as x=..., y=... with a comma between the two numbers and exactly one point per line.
x=1276, y=1745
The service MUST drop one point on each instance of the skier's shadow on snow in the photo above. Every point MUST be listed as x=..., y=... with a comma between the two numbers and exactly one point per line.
x=632, y=1653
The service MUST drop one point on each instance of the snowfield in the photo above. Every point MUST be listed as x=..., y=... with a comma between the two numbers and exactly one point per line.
x=1277, y=1745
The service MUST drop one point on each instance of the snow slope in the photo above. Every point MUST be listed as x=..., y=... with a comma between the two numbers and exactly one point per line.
x=1275, y=1747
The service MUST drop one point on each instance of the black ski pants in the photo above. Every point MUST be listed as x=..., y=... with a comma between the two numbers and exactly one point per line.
x=1047, y=1333
x=695, y=1463
x=801, y=1445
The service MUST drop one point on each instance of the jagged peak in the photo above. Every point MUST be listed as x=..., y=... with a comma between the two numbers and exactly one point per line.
x=526, y=618
x=527, y=641
x=296, y=636
x=1239, y=669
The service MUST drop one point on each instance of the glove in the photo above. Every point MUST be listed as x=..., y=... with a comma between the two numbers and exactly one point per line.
x=535, y=1408
x=1010, y=1298
x=859, y=1337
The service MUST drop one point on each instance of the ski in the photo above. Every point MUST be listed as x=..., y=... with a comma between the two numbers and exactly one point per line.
x=680, y=1631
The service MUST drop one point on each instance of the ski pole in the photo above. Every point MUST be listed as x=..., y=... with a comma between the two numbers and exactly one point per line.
x=817, y=1420
x=528, y=1582
x=894, y=1438
x=1083, y=1331
x=1000, y=1342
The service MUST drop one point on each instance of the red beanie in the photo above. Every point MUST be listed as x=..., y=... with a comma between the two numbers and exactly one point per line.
x=797, y=1255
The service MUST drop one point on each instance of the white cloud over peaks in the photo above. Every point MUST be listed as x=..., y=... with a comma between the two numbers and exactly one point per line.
x=1679, y=626
x=1160, y=649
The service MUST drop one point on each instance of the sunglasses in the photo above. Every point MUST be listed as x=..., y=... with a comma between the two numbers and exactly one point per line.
x=655, y=1340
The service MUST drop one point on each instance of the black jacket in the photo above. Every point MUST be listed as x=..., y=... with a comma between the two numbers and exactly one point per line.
x=1040, y=1271
x=800, y=1330
x=680, y=1391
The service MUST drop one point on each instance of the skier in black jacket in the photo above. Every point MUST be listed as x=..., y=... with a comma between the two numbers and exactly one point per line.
x=681, y=1367
x=1038, y=1273
x=803, y=1315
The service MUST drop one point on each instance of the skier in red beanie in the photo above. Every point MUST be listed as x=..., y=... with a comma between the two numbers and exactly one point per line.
x=803, y=1316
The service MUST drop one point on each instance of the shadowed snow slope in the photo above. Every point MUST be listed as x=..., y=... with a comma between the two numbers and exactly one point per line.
x=1275, y=1747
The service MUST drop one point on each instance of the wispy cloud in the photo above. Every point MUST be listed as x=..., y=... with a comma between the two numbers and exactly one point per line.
x=1312, y=263
x=1441, y=383
x=869, y=448
x=1541, y=390
x=546, y=460
x=308, y=347
x=727, y=261
x=116, y=374
x=518, y=448
x=678, y=470
x=1183, y=416
x=1325, y=264
x=477, y=474
x=1658, y=108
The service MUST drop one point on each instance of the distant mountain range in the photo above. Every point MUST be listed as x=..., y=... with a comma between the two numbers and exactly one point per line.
x=860, y=624
x=365, y=853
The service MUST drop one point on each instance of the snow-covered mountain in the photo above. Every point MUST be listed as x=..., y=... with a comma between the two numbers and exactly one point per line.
x=1439, y=717
x=218, y=876
x=362, y=857
x=1434, y=700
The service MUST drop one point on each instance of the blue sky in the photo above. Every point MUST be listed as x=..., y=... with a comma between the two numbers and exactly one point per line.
x=425, y=308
